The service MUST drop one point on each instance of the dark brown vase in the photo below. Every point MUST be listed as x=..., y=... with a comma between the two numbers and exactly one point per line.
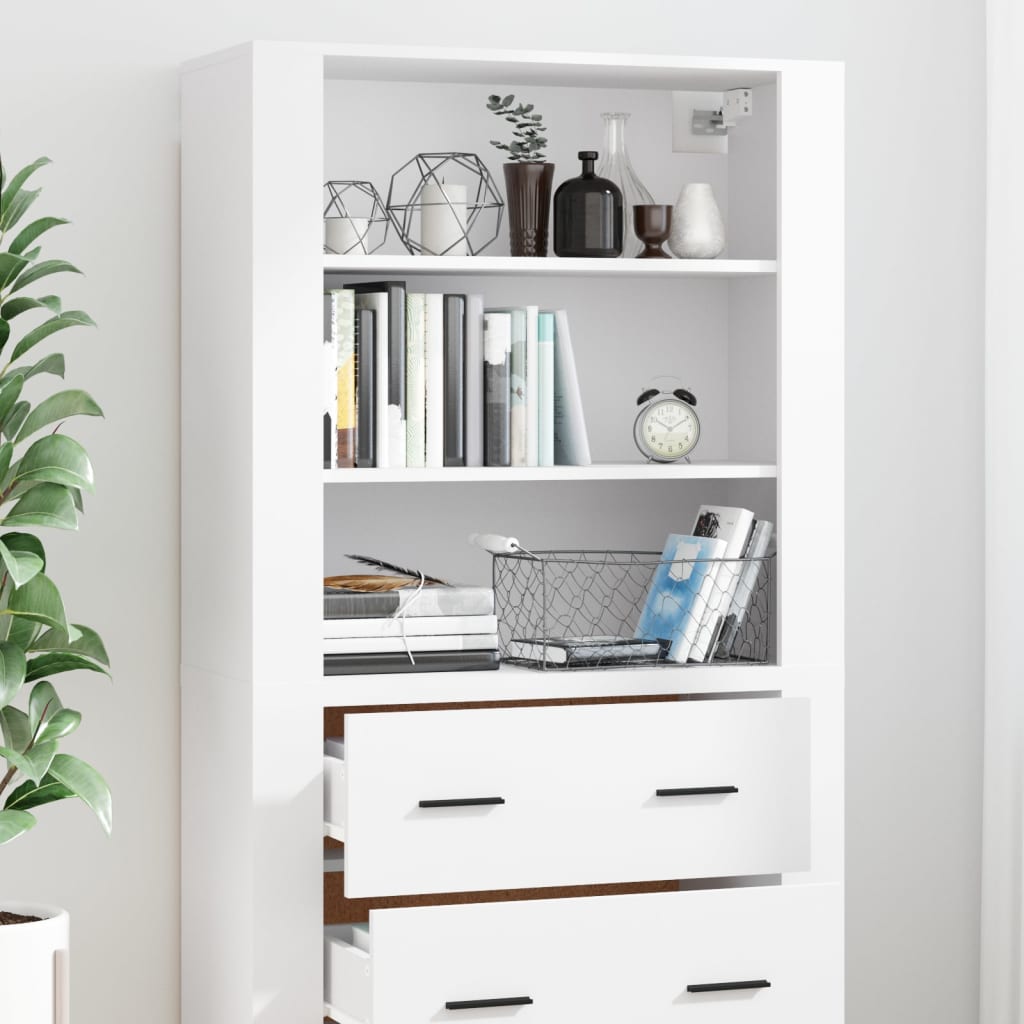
x=528, y=192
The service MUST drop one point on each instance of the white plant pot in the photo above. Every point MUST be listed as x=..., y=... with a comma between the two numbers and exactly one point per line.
x=34, y=966
x=698, y=232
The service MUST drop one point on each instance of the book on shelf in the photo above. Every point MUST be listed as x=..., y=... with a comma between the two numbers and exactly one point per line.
x=497, y=350
x=433, y=335
x=387, y=299
x=474, y=333
x=585, y=650
x=532, y=387
x=415, y=381
x=734, y=526
x=746, y=586
x=344, y=328
x=413, y=601
x=415, y=644
x=455, y=380
x=364, y=321
x=330, y=382
x=546, y=389
x=571, y=444
x=517, y=387
x=411, y=625
x=680, y=591
x=426, y=661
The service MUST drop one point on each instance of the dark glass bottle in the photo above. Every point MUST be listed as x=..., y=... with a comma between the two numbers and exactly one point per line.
x=588, y=214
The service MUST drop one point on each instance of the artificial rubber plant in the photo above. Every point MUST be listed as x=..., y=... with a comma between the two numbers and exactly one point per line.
x=43, y=474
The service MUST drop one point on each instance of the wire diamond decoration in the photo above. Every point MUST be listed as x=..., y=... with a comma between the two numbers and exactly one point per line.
x=484, y=204
x=359, y=204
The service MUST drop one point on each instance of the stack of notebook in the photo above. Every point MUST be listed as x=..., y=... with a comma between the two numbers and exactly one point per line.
x=436, y=628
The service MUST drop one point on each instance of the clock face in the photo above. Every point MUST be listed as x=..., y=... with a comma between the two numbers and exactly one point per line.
x=666, y=430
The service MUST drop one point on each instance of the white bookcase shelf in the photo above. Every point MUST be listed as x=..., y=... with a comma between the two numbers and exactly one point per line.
x=529, y=266
x=758, y=340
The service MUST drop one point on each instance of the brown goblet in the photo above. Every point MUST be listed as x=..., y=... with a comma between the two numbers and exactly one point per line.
x=652, y=223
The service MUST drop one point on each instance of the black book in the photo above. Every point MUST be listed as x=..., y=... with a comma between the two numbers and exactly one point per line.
x=366, y=389
x=395, y=292
x=455, y=380
x=426, y=661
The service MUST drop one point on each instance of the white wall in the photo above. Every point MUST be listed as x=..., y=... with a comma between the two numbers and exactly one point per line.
x=94, y=86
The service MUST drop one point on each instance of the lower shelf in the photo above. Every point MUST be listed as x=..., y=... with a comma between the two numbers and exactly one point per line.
x=771, y=955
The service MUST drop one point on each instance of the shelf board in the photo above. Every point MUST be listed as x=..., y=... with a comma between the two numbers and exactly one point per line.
x=560, y=474
x=512, y=682
x=540, y=266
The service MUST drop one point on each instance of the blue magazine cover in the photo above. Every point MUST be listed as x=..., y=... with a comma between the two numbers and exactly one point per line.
x=680, y=592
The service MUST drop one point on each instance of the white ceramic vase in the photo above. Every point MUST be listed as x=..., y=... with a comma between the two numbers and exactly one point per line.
x=698, y=232
x=34, y=966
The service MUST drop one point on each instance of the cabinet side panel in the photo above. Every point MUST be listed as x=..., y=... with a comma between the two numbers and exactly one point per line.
x=287, y=433
x=811, y=319
x=216, y=367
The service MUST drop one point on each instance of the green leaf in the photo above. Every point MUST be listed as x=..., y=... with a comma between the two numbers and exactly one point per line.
x=25, y=542
x=12, y=423
x=38, y=600
x=28, y=235
x=12, y=672
x=87, y=783
x=33, y=794
x=507, y=101
x=72, y=318
x=17, y=207
x=11, y=265
x=24, y=303
x=19, y=179
x=53, y=363
x=22, y=565
x=55, y=459
x=22, y=632
x=13, y=823
x=43, y=704
x=89, y=644
x=10, y=392
x=54, y=664
x=14, y=728
x=56, y=407
x=34, y=762
x=5, y=332
x=64, y=722
x=44, y=269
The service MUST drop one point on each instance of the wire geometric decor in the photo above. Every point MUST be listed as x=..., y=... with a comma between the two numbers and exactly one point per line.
x=352, y=217
x=483, y=207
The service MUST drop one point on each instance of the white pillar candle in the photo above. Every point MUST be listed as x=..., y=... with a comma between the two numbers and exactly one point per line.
x=443, y=226
x=346, y=234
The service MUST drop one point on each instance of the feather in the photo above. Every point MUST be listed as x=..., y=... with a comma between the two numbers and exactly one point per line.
x=397, y=569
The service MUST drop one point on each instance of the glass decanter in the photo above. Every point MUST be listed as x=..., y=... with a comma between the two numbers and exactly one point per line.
x=615, y=166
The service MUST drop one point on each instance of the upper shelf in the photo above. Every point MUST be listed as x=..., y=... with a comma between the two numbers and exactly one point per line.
x=521, y=474
x=528, y=266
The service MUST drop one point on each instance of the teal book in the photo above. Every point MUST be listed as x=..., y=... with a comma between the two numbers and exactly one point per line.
x=680, y=593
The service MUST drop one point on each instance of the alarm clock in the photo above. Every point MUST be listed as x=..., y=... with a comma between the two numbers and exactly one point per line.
x=666, y=427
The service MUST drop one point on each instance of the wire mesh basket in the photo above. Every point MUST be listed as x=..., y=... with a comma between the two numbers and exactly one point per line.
x=604, y=609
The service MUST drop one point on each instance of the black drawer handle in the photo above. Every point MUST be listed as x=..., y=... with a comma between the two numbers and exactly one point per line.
x=726, y=986
x=696, y=790
x=480, y=1004
x=465, y=801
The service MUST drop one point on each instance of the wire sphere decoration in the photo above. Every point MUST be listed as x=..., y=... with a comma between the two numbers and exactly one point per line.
x=484, y=206
x=352, y=218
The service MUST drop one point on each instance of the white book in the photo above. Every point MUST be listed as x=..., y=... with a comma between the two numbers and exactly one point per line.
x=732, y=525
x=330, y=379
x=433, y=336
x=474, y=380
x=546, y=389
x=425, y=625
x=746, y=585
x=415, y=382
x=572, y=446
x=532, y=388
x=392, y=645
x=378, y=302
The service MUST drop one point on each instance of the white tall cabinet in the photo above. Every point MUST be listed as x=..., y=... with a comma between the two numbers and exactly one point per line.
x=756, y=876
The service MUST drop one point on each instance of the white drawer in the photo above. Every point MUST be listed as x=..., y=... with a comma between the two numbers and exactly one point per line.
x=773, y=955
x=570, y=795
